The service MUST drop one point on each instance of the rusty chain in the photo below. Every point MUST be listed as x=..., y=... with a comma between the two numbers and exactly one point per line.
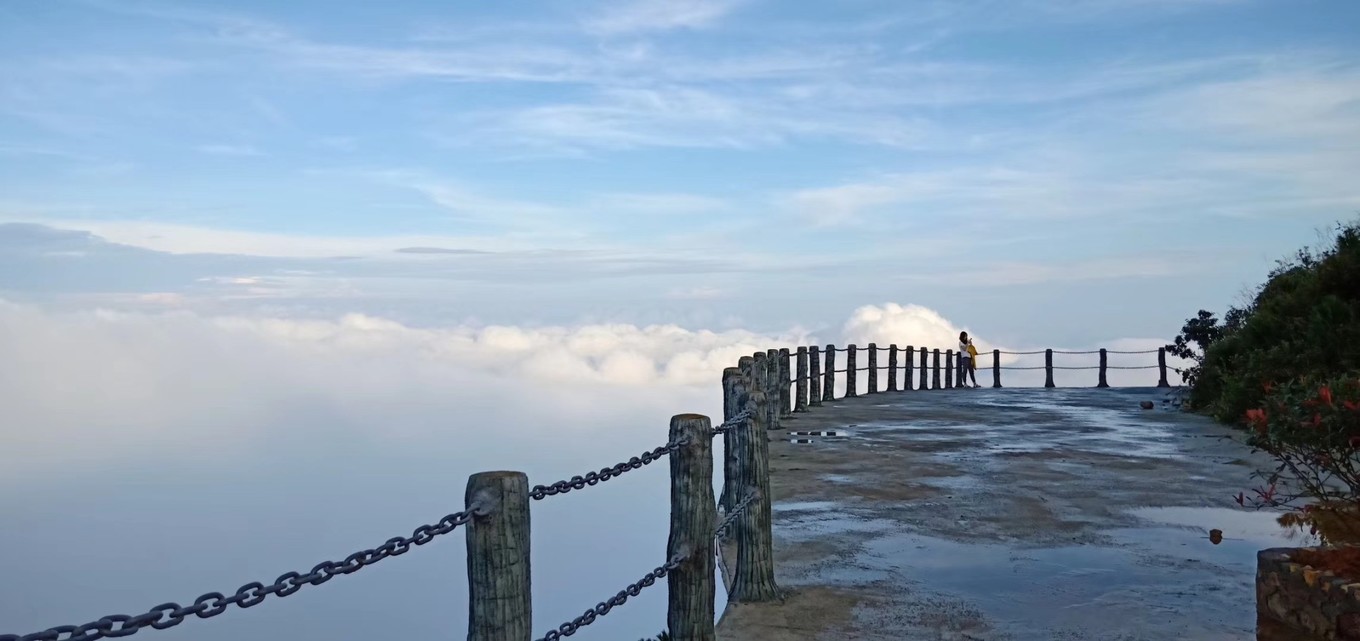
x=169, y=615
x=604, y=607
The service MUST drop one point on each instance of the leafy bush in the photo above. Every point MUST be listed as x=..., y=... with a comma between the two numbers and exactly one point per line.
x=1313, y=433
x=1302, y=325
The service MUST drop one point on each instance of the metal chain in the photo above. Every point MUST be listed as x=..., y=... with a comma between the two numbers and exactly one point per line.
x=169, y=615
x=732, y=514
x=570, y=627
x=730, y=423
x=540, y=492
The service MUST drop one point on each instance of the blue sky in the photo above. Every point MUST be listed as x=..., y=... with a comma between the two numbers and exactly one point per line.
x=1072, y=170
x=339, y=243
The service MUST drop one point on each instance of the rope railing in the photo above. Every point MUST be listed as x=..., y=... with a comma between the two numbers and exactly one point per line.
x=818, y=379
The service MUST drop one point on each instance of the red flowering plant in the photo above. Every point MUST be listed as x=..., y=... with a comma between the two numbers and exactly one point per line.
x=1312, y=430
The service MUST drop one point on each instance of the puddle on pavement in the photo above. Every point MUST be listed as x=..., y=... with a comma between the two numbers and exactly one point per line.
x=1259, y=528
x=802, y=506
x=1165, y=579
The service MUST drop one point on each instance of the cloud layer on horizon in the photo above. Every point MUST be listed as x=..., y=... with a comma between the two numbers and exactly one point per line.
x=95, y=386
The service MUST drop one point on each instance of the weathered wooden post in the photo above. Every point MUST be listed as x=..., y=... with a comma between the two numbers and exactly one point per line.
x=1103, y=365
x=1048, y=368
x=851, y=384
x=499, y=605
x=906, y=378
x=734, y=400
x=760, y=373
x=873, y=368
x=892, y=367
x=829, y=385
x=1161, y=364
x=949, y=368
x=800, y=401
x=814, y=377
x=925, y=368
x=753, y=580
x=775, y=384
x=935, y=373
x=693, y=521
x=996, y=368
x=785, y=384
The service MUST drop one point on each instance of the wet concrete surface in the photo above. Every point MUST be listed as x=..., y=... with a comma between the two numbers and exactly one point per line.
x=1012, y=514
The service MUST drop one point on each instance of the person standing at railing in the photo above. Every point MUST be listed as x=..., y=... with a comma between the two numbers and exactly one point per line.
x=972, y=362
x=966, y=358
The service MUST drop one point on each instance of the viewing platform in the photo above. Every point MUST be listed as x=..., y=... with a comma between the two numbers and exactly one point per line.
x=1020, y=514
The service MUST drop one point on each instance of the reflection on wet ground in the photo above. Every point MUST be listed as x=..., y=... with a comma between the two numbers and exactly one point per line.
x=1014, y=514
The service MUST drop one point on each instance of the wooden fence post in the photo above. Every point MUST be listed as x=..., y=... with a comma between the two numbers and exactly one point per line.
x=906, y=365
x=1103, y=365
x=949, y=368
x=996, y=368
x=814, y=376
x=851, y=384
x=1161, y=364
x=785, y=384
x=693, y=521
x=829, y=386
x=753, y=580
x=935, y=369
x=925, y=368
x=772, y=362
x=499, y=604
x=873, y=369
x=1048, y=368
x=800, y=402
x=892, y=367
x=759, y=373
x=734, y=400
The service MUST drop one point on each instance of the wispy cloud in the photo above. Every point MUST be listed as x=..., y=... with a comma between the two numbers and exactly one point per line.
x=640, y=16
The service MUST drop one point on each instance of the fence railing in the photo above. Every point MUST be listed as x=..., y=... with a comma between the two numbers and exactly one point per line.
x=817, y=370
x=757, y=394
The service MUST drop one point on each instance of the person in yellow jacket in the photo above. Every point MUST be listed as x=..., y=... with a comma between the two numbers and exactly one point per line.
x=972, y=361
x=967, y=356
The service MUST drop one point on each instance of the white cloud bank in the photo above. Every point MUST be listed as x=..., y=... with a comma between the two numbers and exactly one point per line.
x=92, y=387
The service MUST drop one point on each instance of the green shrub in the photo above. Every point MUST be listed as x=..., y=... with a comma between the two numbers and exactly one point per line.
x=1302, y=324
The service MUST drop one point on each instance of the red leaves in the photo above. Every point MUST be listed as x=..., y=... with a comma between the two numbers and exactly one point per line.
x=1241, y=498
x=1325, y=395
x=1317, y=420
x=1268, y=387
x=1257, y=419
x=1351, y=405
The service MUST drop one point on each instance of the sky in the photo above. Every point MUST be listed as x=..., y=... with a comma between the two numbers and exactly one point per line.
x=261, y=259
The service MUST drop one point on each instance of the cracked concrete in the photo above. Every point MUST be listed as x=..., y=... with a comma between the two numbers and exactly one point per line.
x=1010, y=514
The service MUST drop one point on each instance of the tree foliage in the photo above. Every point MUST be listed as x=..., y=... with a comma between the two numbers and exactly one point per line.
x=1302, y=325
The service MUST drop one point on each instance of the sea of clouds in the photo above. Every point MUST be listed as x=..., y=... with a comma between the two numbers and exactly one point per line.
x=153, y=457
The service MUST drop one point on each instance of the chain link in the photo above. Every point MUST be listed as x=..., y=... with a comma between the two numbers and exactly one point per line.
x=733, y=422
x=169, y=615
x=540, y=492
x=570, y=627
x=732, y=515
